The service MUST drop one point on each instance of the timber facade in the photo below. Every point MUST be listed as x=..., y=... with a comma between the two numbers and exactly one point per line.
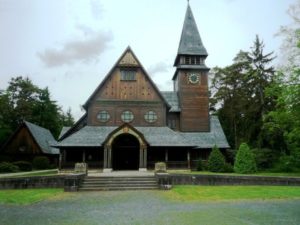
x=130, y=124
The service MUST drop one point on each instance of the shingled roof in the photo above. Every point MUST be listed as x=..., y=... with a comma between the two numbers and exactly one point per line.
x=43, y=138
x=190, y=41
x=93, y=136
x=172, y=98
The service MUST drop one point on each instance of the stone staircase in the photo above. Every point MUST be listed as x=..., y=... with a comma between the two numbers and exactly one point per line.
x=118, y=183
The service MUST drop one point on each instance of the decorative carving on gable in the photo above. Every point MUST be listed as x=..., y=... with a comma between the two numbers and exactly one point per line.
x=128, y=59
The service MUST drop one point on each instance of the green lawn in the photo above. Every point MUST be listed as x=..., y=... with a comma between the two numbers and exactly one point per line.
x=220, y=193
x=235, y=174
x=28, y=196
x=33, y=173
x=40, y=173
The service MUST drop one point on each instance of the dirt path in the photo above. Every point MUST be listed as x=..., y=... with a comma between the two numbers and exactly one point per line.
x=148, y=207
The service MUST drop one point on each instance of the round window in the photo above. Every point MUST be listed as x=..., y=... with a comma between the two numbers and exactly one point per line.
x=103, y=116
x=127, y=116
x=150, y=116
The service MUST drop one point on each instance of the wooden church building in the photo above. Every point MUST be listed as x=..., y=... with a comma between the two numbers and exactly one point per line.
x=130, y=124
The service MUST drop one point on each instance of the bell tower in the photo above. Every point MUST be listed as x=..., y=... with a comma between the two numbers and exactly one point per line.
x=191, y=78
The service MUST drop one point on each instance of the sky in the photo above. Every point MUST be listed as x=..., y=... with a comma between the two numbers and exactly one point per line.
x=69, y=46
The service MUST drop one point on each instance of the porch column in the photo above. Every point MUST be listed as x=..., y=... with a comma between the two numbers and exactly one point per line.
x=145, y=157
x=166, y=157
x=188, y=159
x=107, y=159
x=60, y=159
x=83, y=156
x=143, y=162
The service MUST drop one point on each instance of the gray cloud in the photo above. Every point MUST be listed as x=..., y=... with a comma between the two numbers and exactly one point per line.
x=158, y=68
x=84, y=50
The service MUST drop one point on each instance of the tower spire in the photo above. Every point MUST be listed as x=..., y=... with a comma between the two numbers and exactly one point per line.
x=190, y=41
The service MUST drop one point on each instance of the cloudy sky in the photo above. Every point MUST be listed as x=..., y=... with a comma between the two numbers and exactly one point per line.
x=70, y=45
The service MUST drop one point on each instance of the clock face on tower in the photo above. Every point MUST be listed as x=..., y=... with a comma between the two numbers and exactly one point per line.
x=194, y=78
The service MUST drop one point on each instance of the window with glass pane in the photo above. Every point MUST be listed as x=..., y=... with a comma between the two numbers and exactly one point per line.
x=128, y=75
x=150, y=117
x=127, y=116
x=103, y=116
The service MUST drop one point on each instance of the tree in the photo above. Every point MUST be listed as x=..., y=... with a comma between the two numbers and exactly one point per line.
x=244, y=160
x=282, y=124
x=67, y=118
x=22, y=100
x=216, y=160
x=239, y=94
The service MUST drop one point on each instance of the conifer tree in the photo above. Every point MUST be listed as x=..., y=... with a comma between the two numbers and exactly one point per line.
x=244, y=160
x=216, y=160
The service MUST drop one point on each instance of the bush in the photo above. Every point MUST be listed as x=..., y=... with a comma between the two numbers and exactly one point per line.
x=6, y=167
x=41, y=163
x=265, y=158
x=228, y=168
x=5, y=158
x=199, y=165
x=23, y=165
x=286, y=163
x=216, y=160
x=244, y=160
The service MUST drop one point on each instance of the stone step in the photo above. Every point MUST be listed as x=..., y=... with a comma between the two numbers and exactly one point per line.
x=121, y=182
x=121, y=185
x=118, y=183
x=116, y=188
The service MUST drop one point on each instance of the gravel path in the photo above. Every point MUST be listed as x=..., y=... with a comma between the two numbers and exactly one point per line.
x=148, y=207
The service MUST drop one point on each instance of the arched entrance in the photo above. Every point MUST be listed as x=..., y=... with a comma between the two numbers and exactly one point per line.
x=125, y=152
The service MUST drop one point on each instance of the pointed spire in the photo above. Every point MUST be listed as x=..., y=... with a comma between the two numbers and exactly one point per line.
x=190, y=41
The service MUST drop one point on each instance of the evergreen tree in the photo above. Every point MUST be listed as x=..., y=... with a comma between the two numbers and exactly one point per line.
x=216, y=160
x=244, y=160
x=22, y=100
x=239, y=93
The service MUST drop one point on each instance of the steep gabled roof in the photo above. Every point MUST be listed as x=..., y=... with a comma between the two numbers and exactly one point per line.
x=42, y=137
x=190, y=41
x=128, y=49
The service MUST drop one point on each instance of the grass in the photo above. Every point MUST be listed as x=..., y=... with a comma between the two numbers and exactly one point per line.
x=28, y=196
x=32, y=173
x=221, y=193
x=269, y=174
x=41, y=173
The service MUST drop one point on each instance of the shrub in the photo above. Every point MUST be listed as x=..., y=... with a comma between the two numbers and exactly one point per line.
x=228, y=168
x=5, y=158
x=244, y=160
x=41, y=162
x=199, y=165
x=23, y=165
x=216, y=160
x=6, y=167
x=265, y=158
x=286, y=163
